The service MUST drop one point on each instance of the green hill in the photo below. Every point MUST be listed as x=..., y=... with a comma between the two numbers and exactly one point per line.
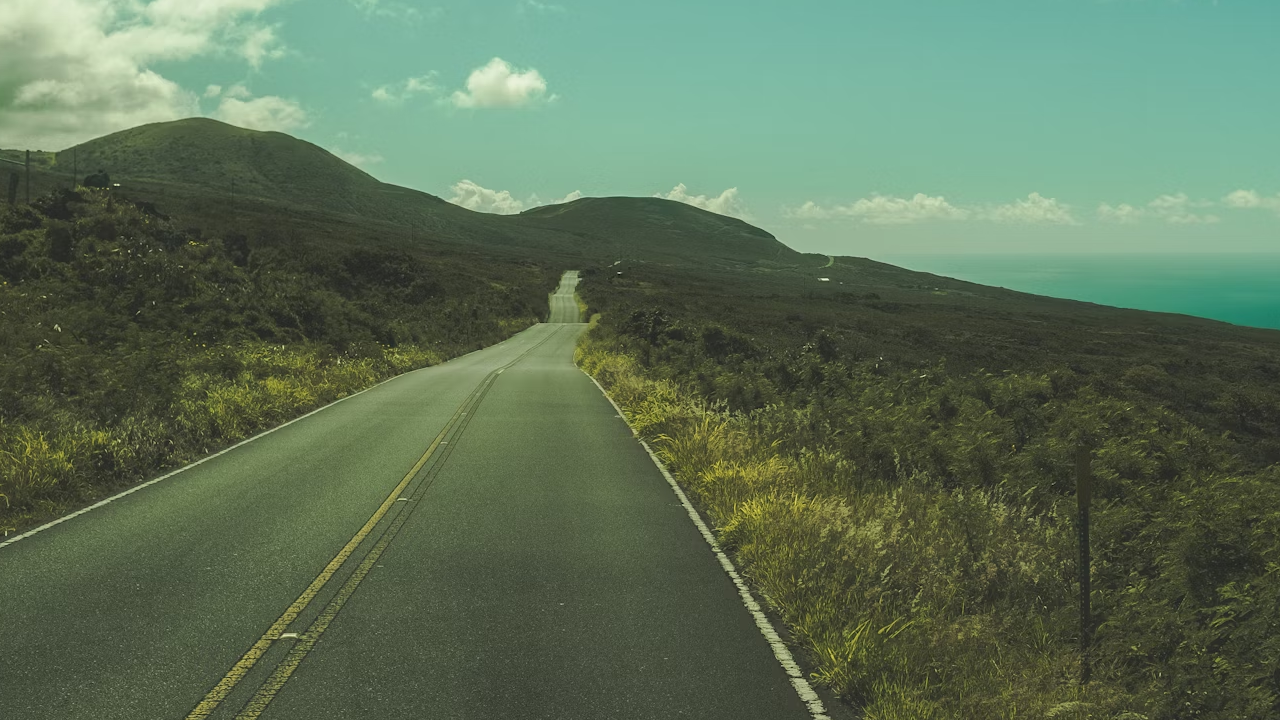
x=229, y=179
x=209, y=154
x=632, y=227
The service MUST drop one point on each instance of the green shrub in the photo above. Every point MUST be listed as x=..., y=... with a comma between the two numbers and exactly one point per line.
x=128, y=345
x=915, y=531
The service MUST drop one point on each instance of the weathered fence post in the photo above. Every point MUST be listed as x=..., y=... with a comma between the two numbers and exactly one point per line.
x=28, y=177
x=1084, y=493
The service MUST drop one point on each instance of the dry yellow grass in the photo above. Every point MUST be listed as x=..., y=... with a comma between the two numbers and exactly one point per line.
x=42, y=470
x=898, y=597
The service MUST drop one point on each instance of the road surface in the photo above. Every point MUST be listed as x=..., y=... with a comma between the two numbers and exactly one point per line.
x=564, y=306
x=480, y=539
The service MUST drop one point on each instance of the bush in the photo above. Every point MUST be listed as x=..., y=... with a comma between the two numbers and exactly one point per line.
x=128, y=345
x=914, y=529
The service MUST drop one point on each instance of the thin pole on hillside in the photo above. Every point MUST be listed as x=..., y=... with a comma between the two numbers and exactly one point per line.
x=1084, y=495
x=75, y=167
x=13, y=181
x=28, y=177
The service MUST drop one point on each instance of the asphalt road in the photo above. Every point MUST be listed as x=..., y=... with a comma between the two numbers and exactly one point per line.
x=564, y=306
x=481, y=539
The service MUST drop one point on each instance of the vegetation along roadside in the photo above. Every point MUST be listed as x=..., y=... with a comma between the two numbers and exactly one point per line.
x=904, y=501
x=129, y=345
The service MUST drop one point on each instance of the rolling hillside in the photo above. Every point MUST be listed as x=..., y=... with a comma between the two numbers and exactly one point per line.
x=208, y=154
x=200, y=168
x=636, y=226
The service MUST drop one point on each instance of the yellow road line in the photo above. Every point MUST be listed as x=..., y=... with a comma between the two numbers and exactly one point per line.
x=307, y=641
x=260, y=648
x=267, y=691
x=250, y=658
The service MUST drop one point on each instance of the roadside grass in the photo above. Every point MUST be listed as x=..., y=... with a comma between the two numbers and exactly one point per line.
x=47, y=469
x=913, y=598
x=129, y=345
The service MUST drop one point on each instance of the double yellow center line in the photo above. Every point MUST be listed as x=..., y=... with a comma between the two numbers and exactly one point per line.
x=267, y=691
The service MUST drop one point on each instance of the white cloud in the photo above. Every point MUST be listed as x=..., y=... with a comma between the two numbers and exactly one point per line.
x=399, y=92
x=883, y=210
x=498, y=84
x=261, y=43
x=1122, y=213
x=539, y=7
x=474, y=197
x=239, y=91
x=213, y=91
x=1243, y=199
x=726, y=203
x=1192, y=219
x=71, y=70
x=1251, y=199
x=808, y=211
x=1036, y=209
x=1176, y=209
x=424, y=83
x=919, y=208
x=535, y=201
x=265, y=113
x=356, y=158
x=393, y=10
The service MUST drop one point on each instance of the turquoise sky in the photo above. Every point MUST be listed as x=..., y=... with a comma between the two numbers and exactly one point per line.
x=845, y=127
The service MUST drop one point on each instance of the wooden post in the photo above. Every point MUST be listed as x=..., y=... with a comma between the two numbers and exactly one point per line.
x=28, y=177
x=75, y=167
x=1084, y=495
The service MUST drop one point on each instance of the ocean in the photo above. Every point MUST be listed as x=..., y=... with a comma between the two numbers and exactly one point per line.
x=1243, y=289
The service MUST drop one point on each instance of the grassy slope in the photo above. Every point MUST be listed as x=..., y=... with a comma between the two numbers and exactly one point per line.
x=631, y=226
x=129, y=344
x=197, y=168
x=891, y=460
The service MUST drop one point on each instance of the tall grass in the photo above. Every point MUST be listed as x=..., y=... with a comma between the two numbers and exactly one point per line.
x=226, y=394
x=130, y=343
x=913, y=598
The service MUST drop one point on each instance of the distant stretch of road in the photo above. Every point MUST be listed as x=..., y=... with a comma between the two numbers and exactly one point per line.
x=564, y=306
x=482, y=539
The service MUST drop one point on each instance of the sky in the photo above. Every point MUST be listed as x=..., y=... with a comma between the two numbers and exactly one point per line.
x=851, y=127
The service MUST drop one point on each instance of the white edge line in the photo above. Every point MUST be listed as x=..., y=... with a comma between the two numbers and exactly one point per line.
x=806, y=692
x=223, y=451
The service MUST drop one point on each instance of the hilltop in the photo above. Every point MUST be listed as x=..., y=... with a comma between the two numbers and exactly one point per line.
x=204, y=153
x=200, y=168
x=631, y=224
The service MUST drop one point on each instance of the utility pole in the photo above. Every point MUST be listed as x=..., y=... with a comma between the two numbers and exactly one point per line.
x=75, y=167
x=13, y=179
x=1084, y=495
